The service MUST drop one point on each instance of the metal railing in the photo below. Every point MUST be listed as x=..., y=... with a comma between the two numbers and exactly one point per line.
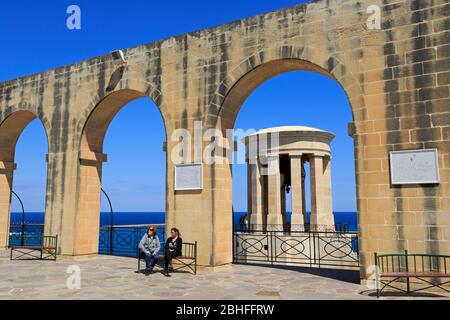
x=124, y=240
x=13, y=193
x=339, y=228
x=25, y=234
x=307, y=248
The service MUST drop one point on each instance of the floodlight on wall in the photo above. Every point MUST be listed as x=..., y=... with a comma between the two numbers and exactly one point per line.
x=119, y=57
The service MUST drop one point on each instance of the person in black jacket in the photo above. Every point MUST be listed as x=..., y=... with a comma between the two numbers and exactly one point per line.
x=172, y=249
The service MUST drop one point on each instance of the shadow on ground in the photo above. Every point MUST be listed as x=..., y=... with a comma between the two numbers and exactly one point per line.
x=399, y=294
x=351, y=276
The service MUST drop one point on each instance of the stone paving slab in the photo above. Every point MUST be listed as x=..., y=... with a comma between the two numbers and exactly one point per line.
x=109, y=277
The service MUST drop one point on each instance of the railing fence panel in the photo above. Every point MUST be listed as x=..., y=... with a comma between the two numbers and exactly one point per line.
x=307, y=248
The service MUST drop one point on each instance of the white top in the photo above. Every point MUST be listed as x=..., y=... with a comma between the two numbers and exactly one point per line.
x=286, y=129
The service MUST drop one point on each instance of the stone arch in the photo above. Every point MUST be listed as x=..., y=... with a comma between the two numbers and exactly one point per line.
x=95, y=125
x=11, y=127
x=234, y=90
x=91, y=158
x=145, y=90
x=265, y=64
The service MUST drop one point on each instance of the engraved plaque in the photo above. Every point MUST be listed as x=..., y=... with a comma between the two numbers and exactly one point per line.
x=189, y=176
x=414, y=166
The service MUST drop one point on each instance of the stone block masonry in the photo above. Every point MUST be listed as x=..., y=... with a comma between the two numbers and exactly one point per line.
x=396, y=80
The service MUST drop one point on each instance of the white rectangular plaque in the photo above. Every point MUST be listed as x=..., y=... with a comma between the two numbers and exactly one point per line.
x=414, y=166
x=189, y=176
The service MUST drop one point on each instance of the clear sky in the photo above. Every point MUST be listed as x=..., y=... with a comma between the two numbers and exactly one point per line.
x=35, y=38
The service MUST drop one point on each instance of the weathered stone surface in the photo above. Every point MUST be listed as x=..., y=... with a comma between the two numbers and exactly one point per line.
x=108, y=277
x=393, y=77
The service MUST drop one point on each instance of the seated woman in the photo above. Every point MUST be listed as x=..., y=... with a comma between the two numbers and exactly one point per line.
x=150, y=246
x=172, y=249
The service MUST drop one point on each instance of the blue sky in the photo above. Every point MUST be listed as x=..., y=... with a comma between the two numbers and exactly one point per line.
x=35, y=38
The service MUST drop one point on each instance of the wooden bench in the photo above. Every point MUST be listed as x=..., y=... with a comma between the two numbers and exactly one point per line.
x=391, y=267
x=188, y=259
x=42, y=248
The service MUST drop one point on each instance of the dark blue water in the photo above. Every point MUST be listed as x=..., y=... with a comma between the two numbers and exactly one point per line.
x=127, y=218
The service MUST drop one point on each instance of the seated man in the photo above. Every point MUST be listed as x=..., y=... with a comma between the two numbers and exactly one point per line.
x=150, y=246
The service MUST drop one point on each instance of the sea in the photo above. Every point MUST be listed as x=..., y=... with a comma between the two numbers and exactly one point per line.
x=145, y=218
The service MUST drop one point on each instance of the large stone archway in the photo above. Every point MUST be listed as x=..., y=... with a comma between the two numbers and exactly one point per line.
x=81, y=237
x=396, y=79
x=10, y=130
x=246, y=78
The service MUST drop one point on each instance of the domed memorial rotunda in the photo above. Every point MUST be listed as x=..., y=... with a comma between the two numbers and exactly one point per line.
x=276, y=160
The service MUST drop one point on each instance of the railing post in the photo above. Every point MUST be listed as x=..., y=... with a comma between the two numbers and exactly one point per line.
x=111, y=240
x=318, y=248
x=233, y=238
x=195, y=255
x=22, y=238
x=377, y=275
x=313, y=247
x=272, y=246
x=407, y=270
x=136, y=231
x=22, y=235
x=311, y=254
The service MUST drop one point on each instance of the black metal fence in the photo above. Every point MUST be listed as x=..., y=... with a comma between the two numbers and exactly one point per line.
x=25, y=234
x=307, y=248
x=304, y=247
x=339, y=228
x=124, y=240
x=116, y=240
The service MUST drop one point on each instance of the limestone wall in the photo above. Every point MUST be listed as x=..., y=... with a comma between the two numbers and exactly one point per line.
x=396, y=79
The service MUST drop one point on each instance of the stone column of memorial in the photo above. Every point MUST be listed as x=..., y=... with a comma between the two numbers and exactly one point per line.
x=278, y=167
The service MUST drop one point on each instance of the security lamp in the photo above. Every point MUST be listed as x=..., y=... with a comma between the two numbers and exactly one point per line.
x=119, y=57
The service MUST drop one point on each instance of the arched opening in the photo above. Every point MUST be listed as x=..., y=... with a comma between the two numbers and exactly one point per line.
x=302, y=98
x=123, y=175
x=292, y=99
x=23, y=141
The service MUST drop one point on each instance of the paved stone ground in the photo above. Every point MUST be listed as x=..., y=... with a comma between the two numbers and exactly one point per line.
x=108, y=277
